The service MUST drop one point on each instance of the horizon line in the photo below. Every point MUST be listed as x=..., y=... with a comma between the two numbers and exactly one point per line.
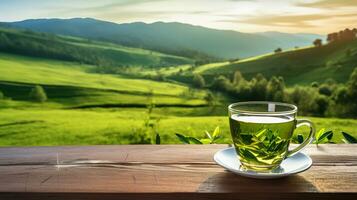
x=133, y=22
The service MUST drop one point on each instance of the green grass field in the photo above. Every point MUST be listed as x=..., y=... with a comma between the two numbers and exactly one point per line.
x=48, y=72
x=71, y=84
x=119, y=126
x=85, y=107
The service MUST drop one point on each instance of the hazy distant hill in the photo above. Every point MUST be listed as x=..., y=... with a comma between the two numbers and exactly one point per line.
x=174, y=38
x=68, y=48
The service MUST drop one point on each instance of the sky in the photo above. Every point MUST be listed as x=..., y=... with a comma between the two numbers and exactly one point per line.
x=313, y=16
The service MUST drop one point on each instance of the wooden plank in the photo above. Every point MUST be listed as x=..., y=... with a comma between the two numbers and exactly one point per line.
x=173, y=171
x=109, y=154
x=335, y=154
x=159, y=179
x=176, y=196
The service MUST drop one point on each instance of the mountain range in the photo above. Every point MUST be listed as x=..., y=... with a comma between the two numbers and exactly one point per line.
x=174, y=38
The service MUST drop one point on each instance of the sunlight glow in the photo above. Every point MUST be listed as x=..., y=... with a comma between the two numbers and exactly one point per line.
x=240, y=15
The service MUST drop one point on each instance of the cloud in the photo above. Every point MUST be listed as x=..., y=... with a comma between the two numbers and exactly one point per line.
x=301, y=21
x=329, y=3
x=99, y=6
x=124, y=3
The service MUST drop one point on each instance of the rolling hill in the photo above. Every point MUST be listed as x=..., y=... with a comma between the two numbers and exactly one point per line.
x=174, y=38
x=300, y=66
x=70, y=84
x=82, y=50
x=85, y=107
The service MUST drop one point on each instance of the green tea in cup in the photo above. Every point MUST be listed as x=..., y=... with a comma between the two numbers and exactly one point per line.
x=262, y=131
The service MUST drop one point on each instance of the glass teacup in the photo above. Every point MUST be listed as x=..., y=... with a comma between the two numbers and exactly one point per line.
x=261, y=133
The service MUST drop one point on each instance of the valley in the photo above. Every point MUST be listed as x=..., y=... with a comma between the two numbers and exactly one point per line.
x=104, y=92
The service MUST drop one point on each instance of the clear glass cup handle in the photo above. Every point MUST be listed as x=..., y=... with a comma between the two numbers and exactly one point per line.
x=308, y=140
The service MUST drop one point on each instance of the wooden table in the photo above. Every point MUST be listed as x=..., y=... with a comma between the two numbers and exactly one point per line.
x=164, y=172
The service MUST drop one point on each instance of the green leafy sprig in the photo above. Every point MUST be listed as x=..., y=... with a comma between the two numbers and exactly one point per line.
x=211, y=138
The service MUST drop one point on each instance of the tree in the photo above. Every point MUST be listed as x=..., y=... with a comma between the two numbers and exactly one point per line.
x=343, y=35
x=315, y=84
x=237, y=78
x=318, y=43
x=222, y=83
x=322, y=104
x=4, y=40
x=325, y=90
x=211, y=100
x=278, y=50
x=38, y=94
x=308, y=100
x=348, y=52
x=198, y=81
x=1, y=95
x=345, y=97
x=352, y=85
x=275, y=89
x=332, y=37
x=258, y=87
x=347, y=34
x=159, y=76
x=341, y=96
x=330, y=81
x=243, y=92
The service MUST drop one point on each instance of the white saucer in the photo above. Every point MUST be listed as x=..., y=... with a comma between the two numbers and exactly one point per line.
x=227, y=158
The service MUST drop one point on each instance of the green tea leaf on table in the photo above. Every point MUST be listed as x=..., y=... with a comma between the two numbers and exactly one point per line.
x=323, y=136
x=157, y=139
x=193, y=140
x=205, y=141
x=182, y=138
x=329, y=137
x=216, y=140
x=216, y=132
x=319, y=133
x=349, y=138
x=208, y=135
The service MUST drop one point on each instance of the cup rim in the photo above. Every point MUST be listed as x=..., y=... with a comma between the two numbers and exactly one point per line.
x=292, y=106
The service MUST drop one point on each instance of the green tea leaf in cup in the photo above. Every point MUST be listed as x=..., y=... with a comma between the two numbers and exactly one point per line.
x=261, y=133
x=248, y=155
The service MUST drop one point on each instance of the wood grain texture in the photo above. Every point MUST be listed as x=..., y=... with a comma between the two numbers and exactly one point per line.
x=164, y=172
